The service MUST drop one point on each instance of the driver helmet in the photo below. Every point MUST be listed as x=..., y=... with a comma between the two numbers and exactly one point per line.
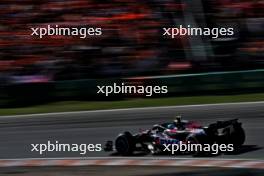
x=178, y=119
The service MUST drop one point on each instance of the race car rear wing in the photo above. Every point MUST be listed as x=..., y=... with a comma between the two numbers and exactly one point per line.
x=223, y=124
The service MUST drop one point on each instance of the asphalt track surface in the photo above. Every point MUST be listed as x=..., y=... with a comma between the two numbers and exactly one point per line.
x=128, y=171
x=17, y=133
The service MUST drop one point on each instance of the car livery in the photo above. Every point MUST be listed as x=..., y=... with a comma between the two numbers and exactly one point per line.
x=155, y=139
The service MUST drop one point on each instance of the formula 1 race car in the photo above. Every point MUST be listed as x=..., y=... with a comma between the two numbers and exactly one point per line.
x=160, y=136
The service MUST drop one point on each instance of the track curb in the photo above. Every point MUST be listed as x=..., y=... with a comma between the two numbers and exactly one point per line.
x=227, y=163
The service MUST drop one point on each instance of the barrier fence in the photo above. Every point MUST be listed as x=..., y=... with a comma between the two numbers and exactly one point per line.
x=178, y=85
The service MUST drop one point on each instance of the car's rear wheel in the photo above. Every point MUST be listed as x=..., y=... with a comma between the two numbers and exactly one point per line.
x=235, y=135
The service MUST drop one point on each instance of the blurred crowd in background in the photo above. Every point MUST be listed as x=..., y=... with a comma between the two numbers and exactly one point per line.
x=132, y=43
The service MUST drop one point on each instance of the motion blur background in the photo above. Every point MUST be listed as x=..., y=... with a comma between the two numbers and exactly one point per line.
x=56, y=68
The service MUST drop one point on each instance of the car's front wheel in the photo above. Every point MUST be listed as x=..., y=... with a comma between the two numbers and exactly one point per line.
x=124, y=144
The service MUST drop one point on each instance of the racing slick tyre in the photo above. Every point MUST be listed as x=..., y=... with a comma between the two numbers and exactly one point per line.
x=235, y=135
x=125, y=144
